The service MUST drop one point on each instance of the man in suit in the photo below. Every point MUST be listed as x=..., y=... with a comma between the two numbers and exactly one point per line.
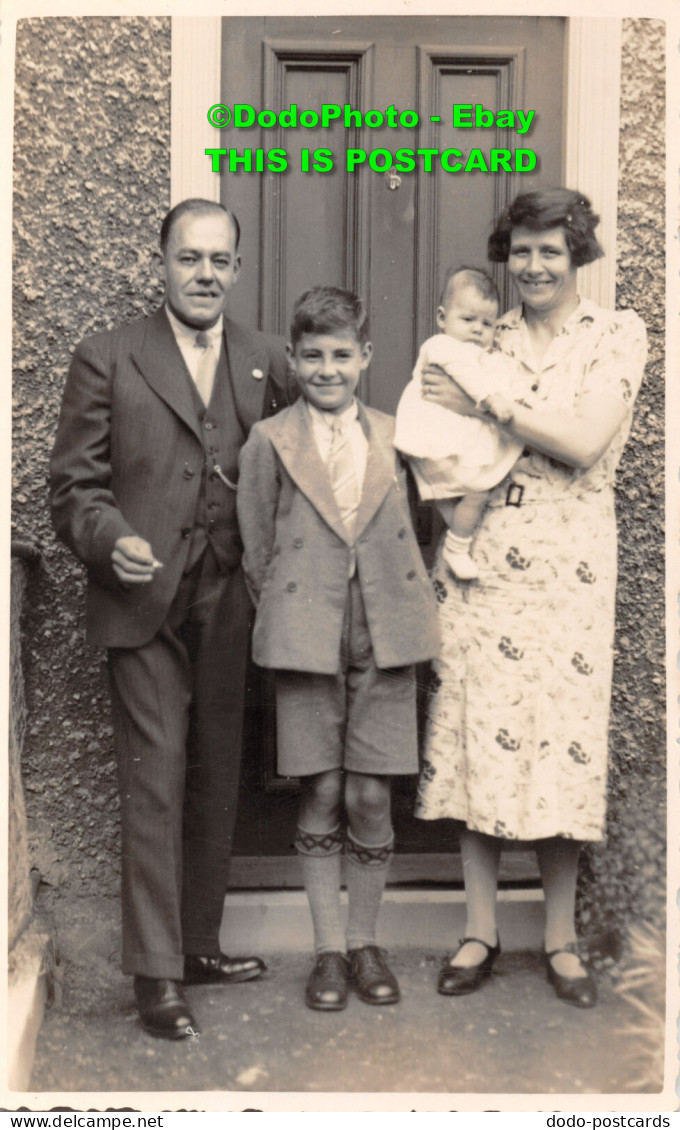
x=143, y=490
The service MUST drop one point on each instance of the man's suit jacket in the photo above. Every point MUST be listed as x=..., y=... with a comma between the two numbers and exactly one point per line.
x=297, y=553
x=128, y=459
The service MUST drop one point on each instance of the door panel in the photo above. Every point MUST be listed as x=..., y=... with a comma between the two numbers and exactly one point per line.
x=390, y=240
x=315, y=224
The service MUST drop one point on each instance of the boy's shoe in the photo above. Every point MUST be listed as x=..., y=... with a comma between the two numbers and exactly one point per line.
x=461, y=565
x=371, y=977
x=328, y=984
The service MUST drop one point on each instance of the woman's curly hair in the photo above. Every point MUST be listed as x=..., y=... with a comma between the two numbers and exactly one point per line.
x=545, y=209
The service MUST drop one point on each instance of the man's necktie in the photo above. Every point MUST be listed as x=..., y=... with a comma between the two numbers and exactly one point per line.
x=207, y=364
x=342, y=472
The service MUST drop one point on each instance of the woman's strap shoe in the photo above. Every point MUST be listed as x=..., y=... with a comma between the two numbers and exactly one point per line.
x=455, y=980
x=328, y=983
x=579, y=991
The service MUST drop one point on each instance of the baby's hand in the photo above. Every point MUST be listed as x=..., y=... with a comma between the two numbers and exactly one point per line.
x=499, y=406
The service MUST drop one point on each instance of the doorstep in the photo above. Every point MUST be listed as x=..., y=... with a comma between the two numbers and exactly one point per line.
x=279, y=921
x=30, y=983
x=25, y=1007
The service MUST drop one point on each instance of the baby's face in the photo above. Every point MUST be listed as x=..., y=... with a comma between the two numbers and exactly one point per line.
x=469, y=317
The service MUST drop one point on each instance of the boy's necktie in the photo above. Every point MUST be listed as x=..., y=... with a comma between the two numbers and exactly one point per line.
x=342, y=472
x=207, y=364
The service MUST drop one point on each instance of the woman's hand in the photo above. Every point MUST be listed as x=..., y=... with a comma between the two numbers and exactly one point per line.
x=439, y=388
x=498, y=405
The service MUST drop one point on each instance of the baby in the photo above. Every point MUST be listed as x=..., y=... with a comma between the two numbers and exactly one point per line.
x=457, y=460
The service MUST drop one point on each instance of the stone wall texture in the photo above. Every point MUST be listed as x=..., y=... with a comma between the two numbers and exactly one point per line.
x=624, y=881
x=92, y=183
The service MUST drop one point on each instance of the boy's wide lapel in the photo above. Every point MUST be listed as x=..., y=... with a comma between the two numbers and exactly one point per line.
x=296, y=446
x=380, y=474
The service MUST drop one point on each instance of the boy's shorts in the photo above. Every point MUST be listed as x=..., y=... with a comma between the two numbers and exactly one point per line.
x=362, y=719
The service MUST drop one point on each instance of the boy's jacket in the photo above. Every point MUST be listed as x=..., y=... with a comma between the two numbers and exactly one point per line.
x=297, y=553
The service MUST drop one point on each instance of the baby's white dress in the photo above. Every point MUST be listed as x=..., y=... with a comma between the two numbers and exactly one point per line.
x=452, y=455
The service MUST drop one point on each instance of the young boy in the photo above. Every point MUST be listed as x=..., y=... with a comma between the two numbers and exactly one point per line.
x=344, y=610
x=460, y=457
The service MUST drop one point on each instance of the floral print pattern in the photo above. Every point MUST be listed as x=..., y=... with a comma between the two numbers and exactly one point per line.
x=516, y=739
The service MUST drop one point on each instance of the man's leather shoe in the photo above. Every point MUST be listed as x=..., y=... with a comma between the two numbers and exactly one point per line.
x=371, y=977
x=163, y=1010
x=221, y=970
x=326, y=989
x=455, y=980
x=579, y=991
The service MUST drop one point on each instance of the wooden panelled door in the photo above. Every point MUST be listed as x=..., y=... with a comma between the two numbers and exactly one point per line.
x=386, y=234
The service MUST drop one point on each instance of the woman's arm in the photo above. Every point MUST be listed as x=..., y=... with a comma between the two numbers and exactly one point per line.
x=578, y=439
x=581, y=437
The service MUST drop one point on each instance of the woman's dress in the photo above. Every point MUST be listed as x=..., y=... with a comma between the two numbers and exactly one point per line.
x=516, y=743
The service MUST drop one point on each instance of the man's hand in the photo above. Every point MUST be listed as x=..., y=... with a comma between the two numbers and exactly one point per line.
x=133, y=561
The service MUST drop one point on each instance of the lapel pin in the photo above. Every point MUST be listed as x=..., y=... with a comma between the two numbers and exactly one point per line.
x=258, y=374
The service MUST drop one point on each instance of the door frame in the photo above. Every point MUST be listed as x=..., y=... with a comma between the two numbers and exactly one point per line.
x=592, y=77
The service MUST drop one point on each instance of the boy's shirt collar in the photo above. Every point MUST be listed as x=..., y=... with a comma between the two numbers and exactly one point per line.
x=329, y=418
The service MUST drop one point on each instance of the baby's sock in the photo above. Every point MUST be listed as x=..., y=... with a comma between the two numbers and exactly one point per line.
x=320, y=855
x=367, y=867
x=456, y=553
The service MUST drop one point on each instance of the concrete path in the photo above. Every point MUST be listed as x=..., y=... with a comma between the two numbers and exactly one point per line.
x=511, y=1037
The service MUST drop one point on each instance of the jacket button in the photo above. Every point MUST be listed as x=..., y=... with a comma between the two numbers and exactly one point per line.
x=291, y=586
x=410, y=576
x=298, y=543
x=186, y=532
x=402, y=532
x=208, y=425
x=188, y=473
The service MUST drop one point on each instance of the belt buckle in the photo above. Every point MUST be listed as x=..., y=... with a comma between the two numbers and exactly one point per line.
x=514, y=494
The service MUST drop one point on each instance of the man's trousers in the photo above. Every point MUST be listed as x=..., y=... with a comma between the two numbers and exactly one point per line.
x=178, y=723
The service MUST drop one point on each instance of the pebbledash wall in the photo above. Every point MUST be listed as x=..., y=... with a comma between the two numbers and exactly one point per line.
x=625, y=881
x=92, y=169
x=92, y=184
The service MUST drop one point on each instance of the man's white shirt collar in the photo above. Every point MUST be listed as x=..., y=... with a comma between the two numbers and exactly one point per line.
x=187, y=334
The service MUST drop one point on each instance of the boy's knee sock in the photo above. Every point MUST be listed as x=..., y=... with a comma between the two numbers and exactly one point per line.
x=367, y=867
x=320, y=854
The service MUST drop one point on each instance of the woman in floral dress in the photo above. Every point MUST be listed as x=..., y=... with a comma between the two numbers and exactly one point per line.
x=516, y=745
